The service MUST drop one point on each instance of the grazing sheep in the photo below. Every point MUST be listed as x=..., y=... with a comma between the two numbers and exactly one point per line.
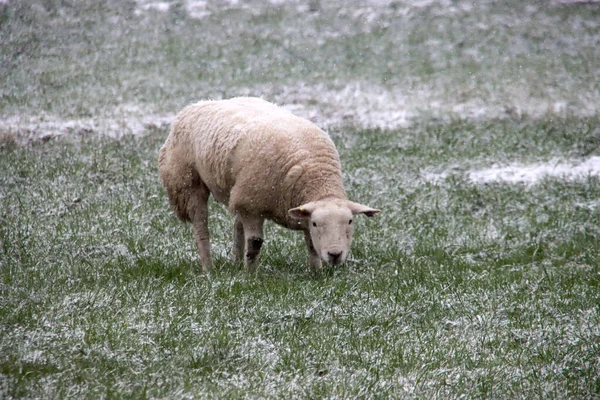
x=263, y=163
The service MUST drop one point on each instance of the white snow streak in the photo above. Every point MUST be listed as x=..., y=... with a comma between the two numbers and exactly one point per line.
x=26, y=128
x=154, y=5
x=527, y=173
x=355, y=103
x=359, y=104
x=533, y=173
x=198, y=9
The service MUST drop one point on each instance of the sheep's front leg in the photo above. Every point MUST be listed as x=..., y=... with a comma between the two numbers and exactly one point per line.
x=253, y=236
x=202, y=238
x=238, y=240
x=313, y=256
x=198, y=210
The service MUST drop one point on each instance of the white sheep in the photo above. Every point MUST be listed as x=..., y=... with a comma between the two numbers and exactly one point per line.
x=263, y=162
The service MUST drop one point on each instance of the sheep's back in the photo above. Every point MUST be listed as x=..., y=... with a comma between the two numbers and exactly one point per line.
x=249, y=146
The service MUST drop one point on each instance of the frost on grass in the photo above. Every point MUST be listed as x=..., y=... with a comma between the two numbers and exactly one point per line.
x=532, y=173
x=527, y=173
x=366, y=102
x=387, y=94
x=359, y=104
x=200, y=9
x=352, y=103
x=30, y=128
x=355, y=104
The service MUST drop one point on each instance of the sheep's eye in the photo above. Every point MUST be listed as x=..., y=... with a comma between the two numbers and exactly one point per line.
x=315, y=224
x=350, y=222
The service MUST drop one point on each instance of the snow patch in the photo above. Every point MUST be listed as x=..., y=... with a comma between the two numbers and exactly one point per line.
x=154, y=5
x=533, y=173
x=370, y=105
x=356, y=103
x=525, y=173
x=365, y=11
x=31, y=128
x=199, y=9
x=590, y=205
x=359, y=104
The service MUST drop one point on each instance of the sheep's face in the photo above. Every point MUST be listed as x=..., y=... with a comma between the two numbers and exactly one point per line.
x=331, y=230
x=331, y=225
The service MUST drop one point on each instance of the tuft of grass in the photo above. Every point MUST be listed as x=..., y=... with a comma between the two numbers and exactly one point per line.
x=7, y=141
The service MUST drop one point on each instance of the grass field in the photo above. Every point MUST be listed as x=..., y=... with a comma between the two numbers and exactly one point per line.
x=461, y=287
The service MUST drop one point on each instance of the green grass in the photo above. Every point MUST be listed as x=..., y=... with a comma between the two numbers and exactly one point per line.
x=85, y=59
x=457, y=289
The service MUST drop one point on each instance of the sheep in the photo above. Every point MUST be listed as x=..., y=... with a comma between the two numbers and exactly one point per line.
x=262, y=162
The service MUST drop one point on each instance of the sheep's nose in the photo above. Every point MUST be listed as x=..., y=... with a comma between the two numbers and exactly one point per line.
x=334, y=257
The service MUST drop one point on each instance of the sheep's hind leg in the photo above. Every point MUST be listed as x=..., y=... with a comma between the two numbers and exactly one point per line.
x=238, y=240
x=198, y=212
x=313, y=257
x=253, y=236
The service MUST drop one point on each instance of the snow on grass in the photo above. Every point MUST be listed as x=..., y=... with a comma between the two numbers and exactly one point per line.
x=369, y=105
x=142, y=323
x=358, y=104
x=390, y=94
x=153, y=5
x=199, y=9
x=527, y=173
x=31, y=128
x=532, y=173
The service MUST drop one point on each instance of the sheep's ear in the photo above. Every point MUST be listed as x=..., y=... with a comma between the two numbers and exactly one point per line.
x=360, y=209
x=302, y=212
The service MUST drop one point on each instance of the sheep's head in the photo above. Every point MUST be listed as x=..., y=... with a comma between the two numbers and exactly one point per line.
x=331, y=225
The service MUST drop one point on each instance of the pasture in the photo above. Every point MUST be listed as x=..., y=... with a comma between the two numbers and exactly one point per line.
x=474, y=127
